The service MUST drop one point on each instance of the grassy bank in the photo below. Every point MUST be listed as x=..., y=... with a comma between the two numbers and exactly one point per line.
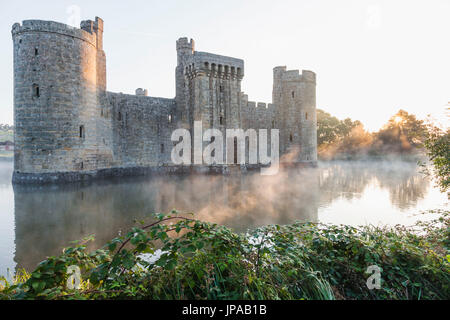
x=180, y=258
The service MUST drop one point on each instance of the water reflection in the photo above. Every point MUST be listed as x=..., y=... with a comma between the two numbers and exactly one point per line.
x=49, y=217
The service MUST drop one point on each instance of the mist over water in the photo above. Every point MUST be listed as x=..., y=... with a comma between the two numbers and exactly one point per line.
x=37, y=221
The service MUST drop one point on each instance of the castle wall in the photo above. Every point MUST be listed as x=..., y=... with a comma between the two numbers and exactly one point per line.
x=69, y=127
x=55, y=69
x=257, y=115
x=141, y=129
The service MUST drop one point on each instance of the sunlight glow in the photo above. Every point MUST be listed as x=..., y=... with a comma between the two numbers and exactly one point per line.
x=398, y=119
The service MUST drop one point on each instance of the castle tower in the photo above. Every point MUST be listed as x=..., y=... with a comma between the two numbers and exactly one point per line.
x=59, y=78
x=294, y=95
x=208, y=88
x=185, y=52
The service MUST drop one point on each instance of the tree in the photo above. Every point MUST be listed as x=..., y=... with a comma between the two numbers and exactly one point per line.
x=327, y=128
x=403, y=133
x=437, y=147
x=330, y=129
x=357, y=141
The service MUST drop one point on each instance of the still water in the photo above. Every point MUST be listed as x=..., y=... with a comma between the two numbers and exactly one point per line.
x=37, y=221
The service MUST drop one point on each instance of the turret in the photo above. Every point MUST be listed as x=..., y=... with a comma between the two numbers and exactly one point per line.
x=277, y=76
x=59, y=74
x=294, y=95
x=185, y=49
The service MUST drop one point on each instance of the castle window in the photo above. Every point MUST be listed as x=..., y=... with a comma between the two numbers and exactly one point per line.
x=221, y=120
x=81, y=165
x=273, y=124
x=221, y=88
x=290, y=137
x=119, y=116
x=162, y=148
x=293, y=94
x=36, y=92
x=306, y=115
x=169, y=118
x=206, y=65
x=36, y=51
x=81, y=132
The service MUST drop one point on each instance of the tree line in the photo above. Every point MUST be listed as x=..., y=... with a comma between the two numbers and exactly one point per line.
x=403, y=134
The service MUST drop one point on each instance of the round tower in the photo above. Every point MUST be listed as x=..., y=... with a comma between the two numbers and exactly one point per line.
x=294, y=95
x=308, y=118
x=55, y=99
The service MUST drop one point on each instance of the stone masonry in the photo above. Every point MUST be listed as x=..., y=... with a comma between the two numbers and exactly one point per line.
x=69, y=127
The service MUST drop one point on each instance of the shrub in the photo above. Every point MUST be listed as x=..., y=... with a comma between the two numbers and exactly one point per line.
x=176, y=257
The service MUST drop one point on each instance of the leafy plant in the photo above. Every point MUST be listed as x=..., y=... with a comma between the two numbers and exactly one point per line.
x=178, y=257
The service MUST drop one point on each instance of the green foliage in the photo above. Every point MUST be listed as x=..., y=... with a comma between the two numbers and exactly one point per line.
x=437, y=147
x=402, y=134
x=198, y=260
x=330, y=129
x=6, y=133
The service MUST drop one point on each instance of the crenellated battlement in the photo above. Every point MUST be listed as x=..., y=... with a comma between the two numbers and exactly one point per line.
x=259, y=106
x=212, y=65
x=251, y=106
x=37, y=26
x=185, y=44
x=281, y=74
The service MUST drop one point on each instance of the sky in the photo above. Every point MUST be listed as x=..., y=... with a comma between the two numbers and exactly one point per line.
x=371, y=57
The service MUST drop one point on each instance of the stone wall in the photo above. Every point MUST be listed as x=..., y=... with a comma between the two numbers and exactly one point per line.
x=141, y=129
x=294, y=94
x=68, y=127
x=55, y=97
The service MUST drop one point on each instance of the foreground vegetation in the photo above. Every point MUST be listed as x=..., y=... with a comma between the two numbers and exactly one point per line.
x=437, y=147
x=199, y=260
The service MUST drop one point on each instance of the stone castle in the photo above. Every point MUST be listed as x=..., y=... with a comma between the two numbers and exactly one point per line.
x=69, y=127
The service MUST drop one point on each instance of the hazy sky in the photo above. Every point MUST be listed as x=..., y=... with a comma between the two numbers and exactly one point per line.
x=371, y=57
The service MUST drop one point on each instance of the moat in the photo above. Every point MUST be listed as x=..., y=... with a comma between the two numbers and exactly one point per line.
x=37, y=221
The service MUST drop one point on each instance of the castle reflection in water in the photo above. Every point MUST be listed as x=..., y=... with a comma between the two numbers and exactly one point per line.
x=49, y=217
